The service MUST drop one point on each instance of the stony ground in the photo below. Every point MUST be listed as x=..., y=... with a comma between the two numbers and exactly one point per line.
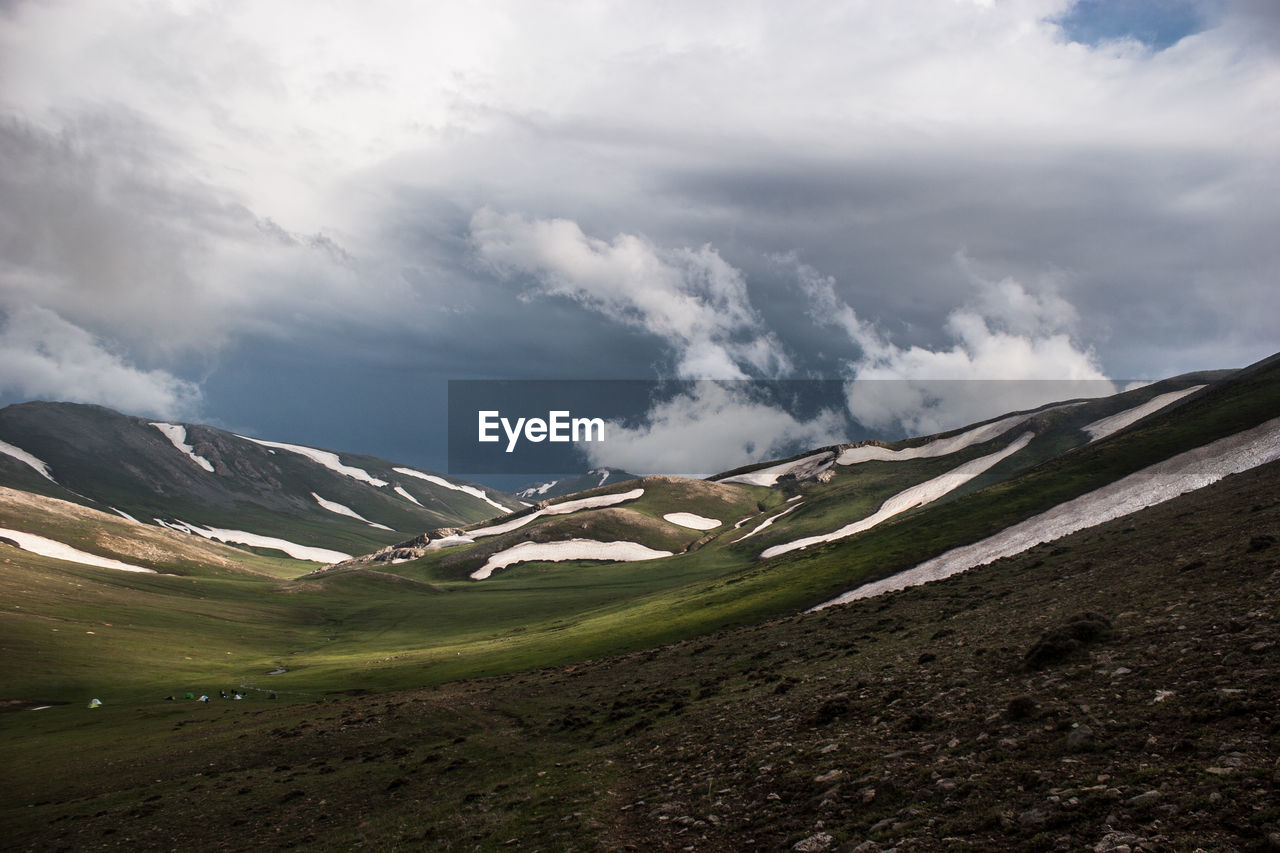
x=1117, y=690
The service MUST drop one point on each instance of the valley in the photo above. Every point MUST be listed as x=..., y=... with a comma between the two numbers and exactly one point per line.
x=911, y=721
x=633, y=665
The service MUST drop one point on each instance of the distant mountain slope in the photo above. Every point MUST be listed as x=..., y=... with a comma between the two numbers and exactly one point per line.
x=593, y=479
x=218, y=484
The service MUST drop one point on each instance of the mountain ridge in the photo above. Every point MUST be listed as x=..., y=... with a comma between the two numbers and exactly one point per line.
x=194, y=476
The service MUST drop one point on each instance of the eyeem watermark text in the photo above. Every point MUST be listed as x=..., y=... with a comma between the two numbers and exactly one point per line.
x=559, y=426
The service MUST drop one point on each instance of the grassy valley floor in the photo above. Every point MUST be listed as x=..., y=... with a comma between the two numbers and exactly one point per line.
x=915, y=720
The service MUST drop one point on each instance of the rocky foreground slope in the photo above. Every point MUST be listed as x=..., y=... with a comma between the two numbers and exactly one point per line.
x=1117, y=689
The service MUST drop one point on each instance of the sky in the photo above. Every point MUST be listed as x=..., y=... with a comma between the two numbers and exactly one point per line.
x=301, y=220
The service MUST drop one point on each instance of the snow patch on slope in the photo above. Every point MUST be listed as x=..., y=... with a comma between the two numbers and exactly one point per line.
x=692, y=520
x=21, y=455
x=555, y=509
x=571, y=549
x=770, y=520
x=52, y=548
x=402, y=493
x=449, y=541
x=124, y=514
x=440, y=481
x=241, y=537
x=322, y=457
x=341, y=509
x=560, y=509
x=177, y=435
x=917, y=495
x=536, y=490
x=937, y=447
x=770, y=476
x=1155, y=484
x=1100, y=429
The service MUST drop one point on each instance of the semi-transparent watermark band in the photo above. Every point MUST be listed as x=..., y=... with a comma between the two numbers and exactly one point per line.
x=567, y=426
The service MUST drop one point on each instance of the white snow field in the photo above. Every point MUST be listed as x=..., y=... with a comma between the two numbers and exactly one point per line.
x=440, y=481
x=322, y=457
x=23, y=456
x=769, y=476
x=917, y=495
x=52, y=548
x=447, y=541
x=177, y=435
x=1163, y=481
x=571, y=549
x=124, y=514
x=241, y=537
x=770, y=520
x=937, y=447
x=402, y=493
x=555, y=509
x=541, y=490
x=341, y=509
x=692, y=520
x=1100, y=429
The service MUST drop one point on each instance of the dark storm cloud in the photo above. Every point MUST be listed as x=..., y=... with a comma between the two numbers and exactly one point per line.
x=116, y=265
x=1134, y=230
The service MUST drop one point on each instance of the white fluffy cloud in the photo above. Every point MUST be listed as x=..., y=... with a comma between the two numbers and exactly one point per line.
x=713, y=428
x=691, y=298
x=1012, y=349
x=42, y=356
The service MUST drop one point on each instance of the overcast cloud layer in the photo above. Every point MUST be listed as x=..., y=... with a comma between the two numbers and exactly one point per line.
x=205, y=204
